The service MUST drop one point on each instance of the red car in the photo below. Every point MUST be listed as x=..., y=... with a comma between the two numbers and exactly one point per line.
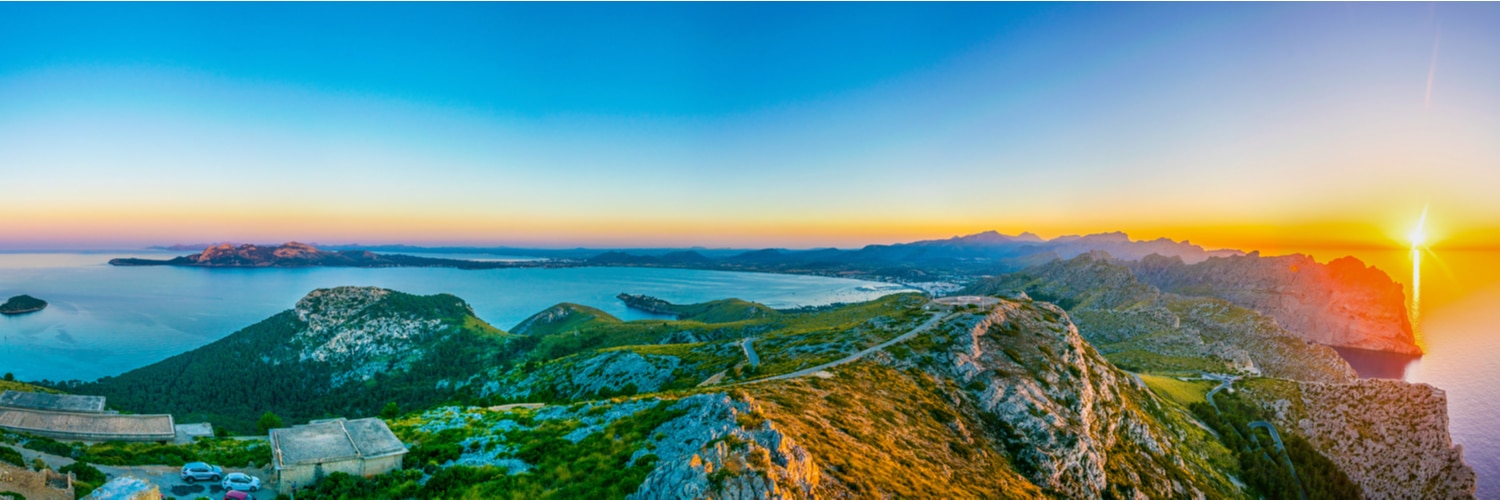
x=237, y=495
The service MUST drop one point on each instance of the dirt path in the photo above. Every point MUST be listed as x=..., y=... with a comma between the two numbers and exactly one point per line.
x=936, y=318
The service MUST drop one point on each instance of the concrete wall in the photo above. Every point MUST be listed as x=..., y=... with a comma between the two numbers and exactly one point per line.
x=382, y=465
x=44, y=485
x=299, y=476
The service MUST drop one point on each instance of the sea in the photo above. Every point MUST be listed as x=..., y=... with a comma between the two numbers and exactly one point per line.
x=105, y=320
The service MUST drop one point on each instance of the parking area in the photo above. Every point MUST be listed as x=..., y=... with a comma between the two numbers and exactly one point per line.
x=167, y=478
x=172, y=486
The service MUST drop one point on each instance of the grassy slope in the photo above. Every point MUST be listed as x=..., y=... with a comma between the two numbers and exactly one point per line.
x=1178, y=391
x=886, y=433
x=784, y=341
x=8, y=385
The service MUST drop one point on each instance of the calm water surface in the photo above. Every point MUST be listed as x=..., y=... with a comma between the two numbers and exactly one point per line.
x=105, y=320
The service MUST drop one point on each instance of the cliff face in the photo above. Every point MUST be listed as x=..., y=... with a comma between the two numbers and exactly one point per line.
x=1390, y=437
x=1140, y=328
x=1007, y=403
x=1342, y=303
x=1090, y=429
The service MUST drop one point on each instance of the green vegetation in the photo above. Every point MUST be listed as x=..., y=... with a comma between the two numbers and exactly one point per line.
x=232, y=452
x=86, y=477
x=227, y=383
x=12, y=385
x=267, y=422
x=1184, y=393
x=566, y=317
x=11, y=456
x=596, y=466
x=22, y=304
x=724, y=311
x=1260, y=466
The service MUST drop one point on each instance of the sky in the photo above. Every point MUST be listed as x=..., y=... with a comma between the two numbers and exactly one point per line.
x=746, y=125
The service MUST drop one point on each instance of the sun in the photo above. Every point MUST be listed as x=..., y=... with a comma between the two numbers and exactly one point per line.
x=1418, y=236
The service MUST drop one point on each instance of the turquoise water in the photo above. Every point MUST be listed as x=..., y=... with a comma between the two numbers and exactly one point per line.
x=104, y=320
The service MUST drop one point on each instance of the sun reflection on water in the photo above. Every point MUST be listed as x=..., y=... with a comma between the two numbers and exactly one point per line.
x=1415, y=309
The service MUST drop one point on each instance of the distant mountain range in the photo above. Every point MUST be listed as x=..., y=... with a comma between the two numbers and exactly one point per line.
x=977, y=254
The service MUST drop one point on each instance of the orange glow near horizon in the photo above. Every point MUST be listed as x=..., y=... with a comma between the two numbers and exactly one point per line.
x=135, y=223
x=146, y=225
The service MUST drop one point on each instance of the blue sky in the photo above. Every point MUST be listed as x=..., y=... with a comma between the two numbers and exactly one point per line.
x=740, y=124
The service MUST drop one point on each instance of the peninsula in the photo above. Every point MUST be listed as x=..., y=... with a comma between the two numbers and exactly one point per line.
x=294, y=254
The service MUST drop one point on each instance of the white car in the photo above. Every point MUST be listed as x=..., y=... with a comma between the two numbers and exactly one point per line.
x=241, y=481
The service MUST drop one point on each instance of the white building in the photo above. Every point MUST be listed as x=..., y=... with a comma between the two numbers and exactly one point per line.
x=304, y=454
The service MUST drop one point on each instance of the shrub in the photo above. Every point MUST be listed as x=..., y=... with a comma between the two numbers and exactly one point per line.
x=11, y=456
x=83, y=472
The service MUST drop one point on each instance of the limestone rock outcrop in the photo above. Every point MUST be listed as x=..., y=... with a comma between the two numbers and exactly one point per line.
x=1390, y=437
x=1341, y=303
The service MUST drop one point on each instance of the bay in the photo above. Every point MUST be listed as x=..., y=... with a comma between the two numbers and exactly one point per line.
x=105, y=320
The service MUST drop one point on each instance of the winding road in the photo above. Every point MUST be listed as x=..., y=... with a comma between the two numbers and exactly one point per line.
x=1224, y=382
x=750, y=351
x=936, y=318
x=1276, y=437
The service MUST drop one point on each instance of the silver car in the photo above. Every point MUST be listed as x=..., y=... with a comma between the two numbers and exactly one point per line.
x=199, y=471
x=241, y=482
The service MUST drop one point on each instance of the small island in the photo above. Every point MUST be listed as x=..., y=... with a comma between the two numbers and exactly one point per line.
x=22, y=304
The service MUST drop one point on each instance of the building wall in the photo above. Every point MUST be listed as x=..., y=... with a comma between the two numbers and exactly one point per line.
x=299, y=476
x=382, y=465
x=295, y=477
x=35, y=485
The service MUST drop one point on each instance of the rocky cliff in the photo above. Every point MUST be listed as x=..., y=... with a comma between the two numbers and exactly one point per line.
x=1390, y=437
x=1341, y=303
x=1141, y=328
x=1007, y=403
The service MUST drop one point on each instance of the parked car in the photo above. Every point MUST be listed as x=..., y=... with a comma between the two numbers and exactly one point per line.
x=239, y=481
x=199, y=471
x=237, y=495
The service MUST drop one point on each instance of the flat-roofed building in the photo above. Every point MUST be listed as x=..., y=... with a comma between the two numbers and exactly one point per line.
x=88, y=426
x=303, y=454
x=52, y=402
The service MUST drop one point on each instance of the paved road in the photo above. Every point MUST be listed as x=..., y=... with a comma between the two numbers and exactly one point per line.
x=1276, y=437
x=165, y=477
x=936, y=318
x=1224, y=382
x=750, y=351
